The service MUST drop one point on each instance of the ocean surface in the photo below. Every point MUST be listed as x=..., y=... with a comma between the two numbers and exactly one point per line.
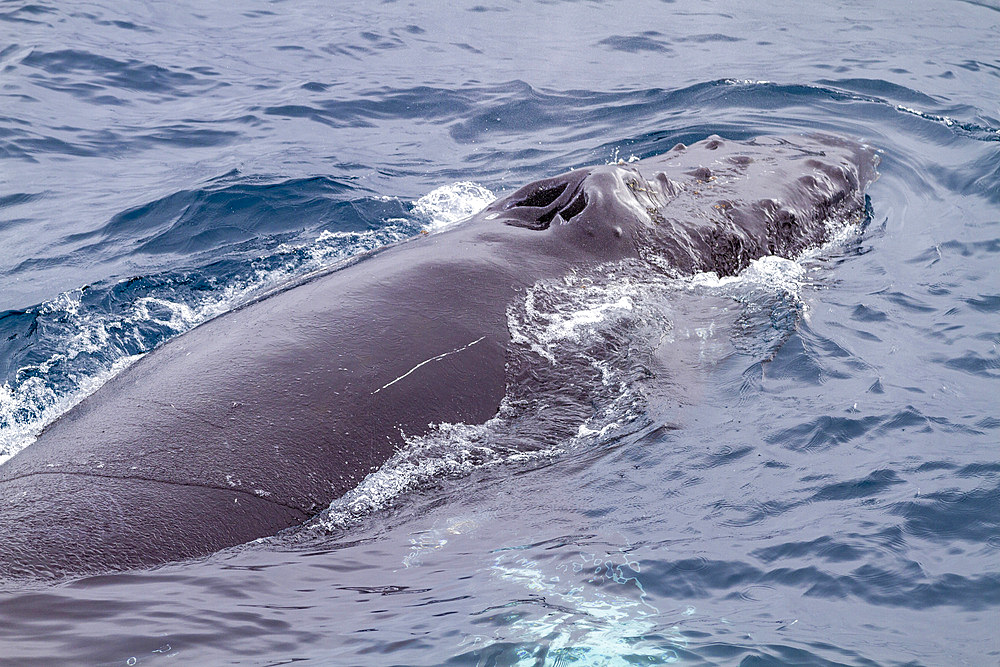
x=799, y=466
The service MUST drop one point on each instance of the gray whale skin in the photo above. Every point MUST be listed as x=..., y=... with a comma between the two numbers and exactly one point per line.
x=256, y=420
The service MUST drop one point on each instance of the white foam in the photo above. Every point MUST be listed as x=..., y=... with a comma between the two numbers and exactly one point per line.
x=30, y=406
x=447, y=450
x=450, y=204
x=616, y=158
x=556, y=312
x=945, y=120
x=771, y=273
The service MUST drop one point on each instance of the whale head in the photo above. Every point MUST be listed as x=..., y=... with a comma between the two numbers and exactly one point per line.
x=713, y=206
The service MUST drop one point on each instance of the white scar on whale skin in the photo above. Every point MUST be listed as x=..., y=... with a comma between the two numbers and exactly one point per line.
x=422, y=363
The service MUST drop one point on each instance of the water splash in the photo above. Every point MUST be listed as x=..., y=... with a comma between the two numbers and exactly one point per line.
x=448, y=450
x=31, y=405
x=445, y=206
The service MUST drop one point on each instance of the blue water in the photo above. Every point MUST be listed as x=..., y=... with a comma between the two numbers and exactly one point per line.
x=822, y=488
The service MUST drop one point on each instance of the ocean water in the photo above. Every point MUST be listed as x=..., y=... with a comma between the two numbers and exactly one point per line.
x=800, y=465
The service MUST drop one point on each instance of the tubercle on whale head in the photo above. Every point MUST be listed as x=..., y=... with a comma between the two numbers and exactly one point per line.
x=777, y=196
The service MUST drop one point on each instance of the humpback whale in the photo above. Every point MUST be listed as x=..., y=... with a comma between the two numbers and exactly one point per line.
x=258, y=419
